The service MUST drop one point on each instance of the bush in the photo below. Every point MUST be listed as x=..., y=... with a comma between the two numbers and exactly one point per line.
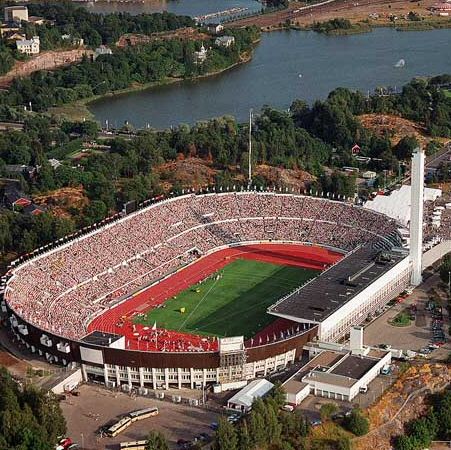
x=327, y=410
x=356, y=423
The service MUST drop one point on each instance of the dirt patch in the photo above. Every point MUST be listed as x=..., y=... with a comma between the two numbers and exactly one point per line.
x=291, y=178
x=61, y=200
x=396, y=127
x=187, y=173
x=44, y=61
x=395, y=408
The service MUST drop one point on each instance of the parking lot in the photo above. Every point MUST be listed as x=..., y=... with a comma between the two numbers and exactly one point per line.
x=415, y=336
x=96, y=406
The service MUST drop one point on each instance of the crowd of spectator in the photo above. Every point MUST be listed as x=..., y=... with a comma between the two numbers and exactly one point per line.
x=63, y=290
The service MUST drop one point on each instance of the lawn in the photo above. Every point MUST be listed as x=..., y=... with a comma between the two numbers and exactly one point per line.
x=231, y=302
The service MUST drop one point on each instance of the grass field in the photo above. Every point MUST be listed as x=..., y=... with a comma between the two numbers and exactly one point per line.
x=231, y=302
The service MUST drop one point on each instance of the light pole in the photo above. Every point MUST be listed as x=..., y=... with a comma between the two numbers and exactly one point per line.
x=82, y=440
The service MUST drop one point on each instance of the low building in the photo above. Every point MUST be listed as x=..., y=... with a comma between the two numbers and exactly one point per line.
x=102, y=50
x=337, y=371
x=14, y=198
x=36, y=20
x=224, y=41
x=369, y=175
x=13, y=37
x=243, y=399
x=16, y=14
x=215, y=28
x=33, y=210
x=29, y=46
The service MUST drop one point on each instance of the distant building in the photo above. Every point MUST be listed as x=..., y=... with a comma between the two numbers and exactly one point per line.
x=102, y=50
x=33, y=210
x=224, y=41
x=201, y=55
x=16, y=14
x=29, y=46
x=78, y=42
x=15, y=37
x=14, y=198
x=369, y=175
x=215, y=28
x=35, y=20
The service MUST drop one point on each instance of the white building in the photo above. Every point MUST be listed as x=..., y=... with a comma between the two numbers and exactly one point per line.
x=242, y=400
x=102, y=50
x=16, y=14
x=337, y=371
x=224, y=41
x=29, y=46
x=201, y=55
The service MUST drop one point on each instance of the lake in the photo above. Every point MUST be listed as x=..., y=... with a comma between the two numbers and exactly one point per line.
x=287, y=65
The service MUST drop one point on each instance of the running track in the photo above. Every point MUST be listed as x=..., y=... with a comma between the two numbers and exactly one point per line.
x=118, y=320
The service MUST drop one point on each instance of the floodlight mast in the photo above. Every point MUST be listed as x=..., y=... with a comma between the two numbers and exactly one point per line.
x=250, y=150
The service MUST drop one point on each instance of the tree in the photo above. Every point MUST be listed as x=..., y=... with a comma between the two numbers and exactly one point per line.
x=405, y=147
x=156, y=441
x=327, y=409
x=226, y=437
x=356, y=423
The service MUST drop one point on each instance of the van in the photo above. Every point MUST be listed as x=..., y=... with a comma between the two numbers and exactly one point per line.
x=363, y=389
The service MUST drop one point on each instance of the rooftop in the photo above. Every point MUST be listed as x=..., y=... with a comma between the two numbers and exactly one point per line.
x=325, y=294
x=100, y=338
x=354, y=366
x=255, y=389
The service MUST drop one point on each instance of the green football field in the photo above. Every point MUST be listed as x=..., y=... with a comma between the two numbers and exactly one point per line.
x=231, y=302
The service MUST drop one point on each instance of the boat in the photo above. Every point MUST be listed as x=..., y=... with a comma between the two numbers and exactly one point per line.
x=400, y=63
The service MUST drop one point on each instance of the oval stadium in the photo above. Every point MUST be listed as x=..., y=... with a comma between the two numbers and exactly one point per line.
x=211, y=288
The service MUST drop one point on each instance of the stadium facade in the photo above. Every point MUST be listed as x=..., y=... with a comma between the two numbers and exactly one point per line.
x=50, y=299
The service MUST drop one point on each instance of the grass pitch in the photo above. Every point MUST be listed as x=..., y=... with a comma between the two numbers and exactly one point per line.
x=230, y=302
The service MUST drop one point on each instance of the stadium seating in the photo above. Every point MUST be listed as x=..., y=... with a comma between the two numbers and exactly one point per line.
x=63, y=290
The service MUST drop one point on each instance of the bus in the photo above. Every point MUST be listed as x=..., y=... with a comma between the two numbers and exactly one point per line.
x=119, y=426
x=133, y=445
x=143, y=414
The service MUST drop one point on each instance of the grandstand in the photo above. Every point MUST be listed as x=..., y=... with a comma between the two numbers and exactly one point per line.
x=102, y=281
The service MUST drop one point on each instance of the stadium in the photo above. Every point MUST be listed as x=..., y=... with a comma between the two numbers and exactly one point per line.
x=205, y=288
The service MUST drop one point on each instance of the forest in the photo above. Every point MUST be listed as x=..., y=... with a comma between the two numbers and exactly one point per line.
x=30, y=419
x=154, y=62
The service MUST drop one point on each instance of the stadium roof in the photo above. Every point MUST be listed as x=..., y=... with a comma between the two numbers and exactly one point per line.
x=325, y=294
x=397, y=204
x=101, y=338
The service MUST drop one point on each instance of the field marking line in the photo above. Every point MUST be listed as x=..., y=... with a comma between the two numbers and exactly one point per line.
x=200, y=301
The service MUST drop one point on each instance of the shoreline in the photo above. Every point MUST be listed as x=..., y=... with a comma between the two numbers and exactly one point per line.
x=79, y=110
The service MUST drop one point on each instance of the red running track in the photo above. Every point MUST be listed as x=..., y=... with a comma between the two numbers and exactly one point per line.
x=118, y=320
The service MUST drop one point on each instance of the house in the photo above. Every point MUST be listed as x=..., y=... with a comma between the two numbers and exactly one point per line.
x=224, y=41
x=54, y=163
x=14, y=198
x=6, y=30
x=201, y=55
x=355, y=150
x=102, y=50
x=77, y=42
x=369, y=175
x=35, y=20
x=243, y=399
x=215, y=28
x=29, y=46
x=15, y=37
x=16, y=14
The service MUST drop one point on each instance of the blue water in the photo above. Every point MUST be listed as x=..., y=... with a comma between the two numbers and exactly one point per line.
x=362, y=61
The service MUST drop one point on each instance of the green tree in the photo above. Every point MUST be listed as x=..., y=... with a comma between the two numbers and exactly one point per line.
x=327, y=410
x=356, y=423
x=226, y=436
x=156, y=441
